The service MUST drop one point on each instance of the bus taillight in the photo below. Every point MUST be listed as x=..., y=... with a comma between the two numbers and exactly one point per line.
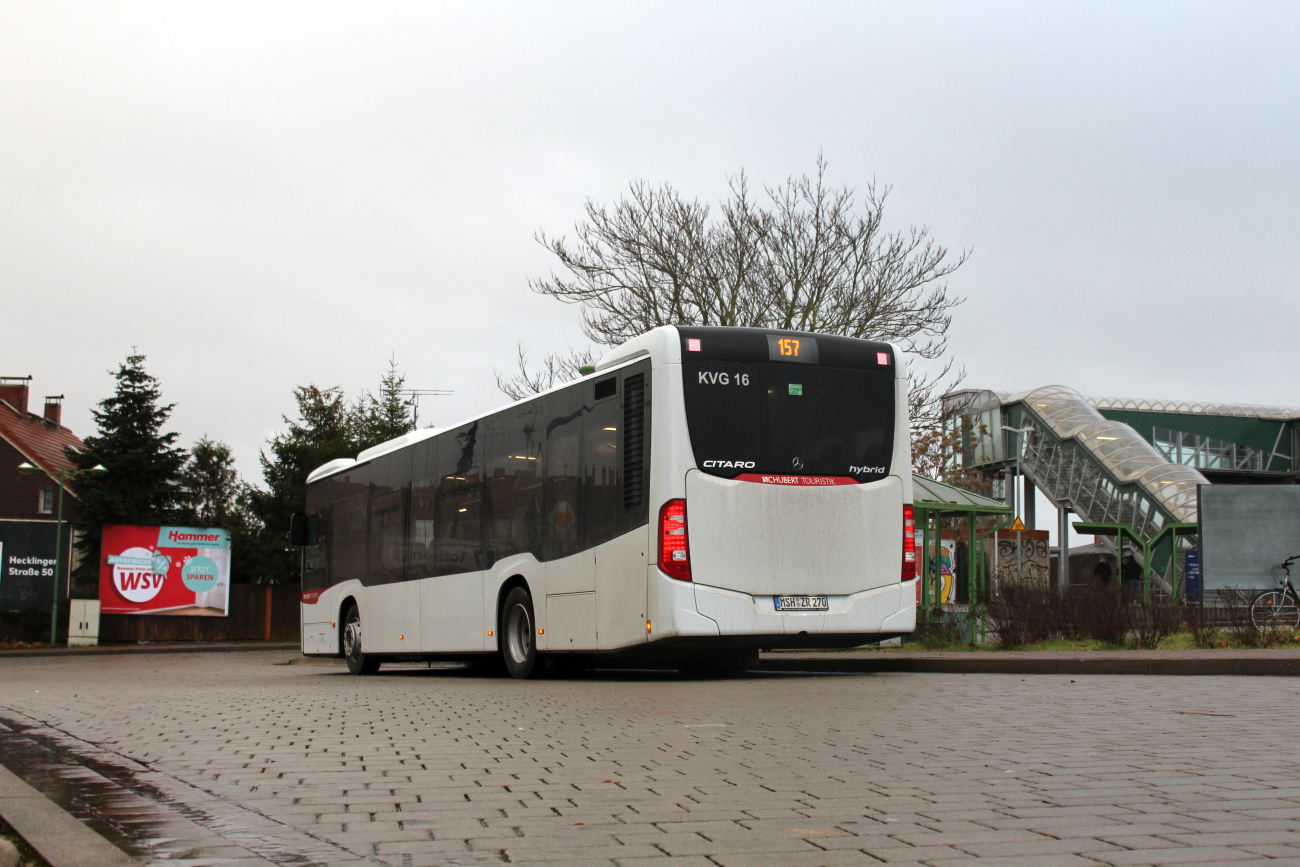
x=909, y=543
x=674, y=555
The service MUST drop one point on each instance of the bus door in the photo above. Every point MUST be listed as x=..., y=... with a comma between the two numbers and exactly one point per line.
x=570, y=562
x=451, y=602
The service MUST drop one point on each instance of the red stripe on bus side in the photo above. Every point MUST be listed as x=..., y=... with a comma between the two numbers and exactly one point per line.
x=309, y=597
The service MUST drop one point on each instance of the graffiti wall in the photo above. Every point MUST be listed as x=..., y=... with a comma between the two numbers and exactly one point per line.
x=947, y=574
x=1034, y=561
x=943, y=571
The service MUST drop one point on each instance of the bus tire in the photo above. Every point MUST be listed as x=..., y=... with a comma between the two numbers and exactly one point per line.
x=358, y=662
x=518, y=636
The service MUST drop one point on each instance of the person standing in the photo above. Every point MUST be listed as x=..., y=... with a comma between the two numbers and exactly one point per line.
x=1131, y=572
x=1101, y=572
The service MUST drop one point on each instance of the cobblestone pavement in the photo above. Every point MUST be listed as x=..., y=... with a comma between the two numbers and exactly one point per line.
x=232, y=759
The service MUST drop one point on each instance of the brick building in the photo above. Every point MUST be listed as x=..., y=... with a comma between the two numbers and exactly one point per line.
x=28, y=501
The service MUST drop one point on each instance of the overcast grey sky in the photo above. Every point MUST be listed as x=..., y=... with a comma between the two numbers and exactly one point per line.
x=265, y=195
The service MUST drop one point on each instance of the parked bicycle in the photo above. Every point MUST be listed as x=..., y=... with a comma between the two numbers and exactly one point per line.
x=1280, y=608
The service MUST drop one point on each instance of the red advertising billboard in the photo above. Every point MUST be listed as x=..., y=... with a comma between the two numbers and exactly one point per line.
x=164, y=570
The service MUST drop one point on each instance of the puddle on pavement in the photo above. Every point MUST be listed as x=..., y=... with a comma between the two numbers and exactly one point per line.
x=130, y=812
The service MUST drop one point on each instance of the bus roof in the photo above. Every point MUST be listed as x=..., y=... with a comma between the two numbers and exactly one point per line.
x=662, y=344
x=338, y=465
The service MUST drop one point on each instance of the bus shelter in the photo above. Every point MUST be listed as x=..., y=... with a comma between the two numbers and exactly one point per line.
x=932, y=501
x=1148, y=547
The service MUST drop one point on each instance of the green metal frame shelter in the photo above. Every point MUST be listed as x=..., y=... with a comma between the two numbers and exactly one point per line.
x=1119, y=531
x=931, y=502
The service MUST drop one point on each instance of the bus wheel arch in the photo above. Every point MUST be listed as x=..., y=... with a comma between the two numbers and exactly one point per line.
x=517, y=629
x=506, y=586
x=354, y=652
x=344, y=606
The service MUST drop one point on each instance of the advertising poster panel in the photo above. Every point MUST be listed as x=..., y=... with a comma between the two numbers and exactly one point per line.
x=943, y=570
x=27, y=564
x=165, y=570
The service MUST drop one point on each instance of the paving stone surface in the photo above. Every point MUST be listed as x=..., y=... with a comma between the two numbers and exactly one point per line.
x=232, y=759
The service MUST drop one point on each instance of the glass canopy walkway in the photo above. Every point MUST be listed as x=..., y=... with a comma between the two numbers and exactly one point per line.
x=1101, y=470
x=1089, y=455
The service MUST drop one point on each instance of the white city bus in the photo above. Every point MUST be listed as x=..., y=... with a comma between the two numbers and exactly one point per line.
x=704, y=494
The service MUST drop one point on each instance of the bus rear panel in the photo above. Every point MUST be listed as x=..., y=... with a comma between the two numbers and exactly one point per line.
x=792, y=502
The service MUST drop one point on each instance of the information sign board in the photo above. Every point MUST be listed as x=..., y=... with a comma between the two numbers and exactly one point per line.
x=27, y=564
x=1193, y=591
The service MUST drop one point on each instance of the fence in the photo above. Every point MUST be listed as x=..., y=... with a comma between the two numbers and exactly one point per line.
x=257, y=612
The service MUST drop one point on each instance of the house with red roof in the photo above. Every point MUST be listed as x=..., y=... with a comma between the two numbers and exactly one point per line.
x=40, y=440
x=29, y=501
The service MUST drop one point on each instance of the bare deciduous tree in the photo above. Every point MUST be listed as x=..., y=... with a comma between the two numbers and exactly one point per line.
x=807, y=257
x=941, y=451
x=555, y=368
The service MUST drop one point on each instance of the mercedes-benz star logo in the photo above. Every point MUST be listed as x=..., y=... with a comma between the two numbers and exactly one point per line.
x=797, y=463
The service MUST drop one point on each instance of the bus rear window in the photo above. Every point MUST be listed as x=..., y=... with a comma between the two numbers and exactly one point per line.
x=747, y=417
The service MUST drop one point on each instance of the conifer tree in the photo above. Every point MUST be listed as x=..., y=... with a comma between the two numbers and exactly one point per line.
x=324, y=430
x=211, y=483
x=142, y=485
x=382, y=418
x=327, y=428
x=217, y=497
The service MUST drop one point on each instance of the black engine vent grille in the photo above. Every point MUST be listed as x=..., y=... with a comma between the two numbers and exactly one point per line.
x=634, y=442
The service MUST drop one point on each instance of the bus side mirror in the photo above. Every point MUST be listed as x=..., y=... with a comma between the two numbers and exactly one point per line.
x=298, y=529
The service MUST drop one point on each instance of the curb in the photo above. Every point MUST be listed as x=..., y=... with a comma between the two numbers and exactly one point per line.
x=57, y=836
x=176, y=647
x=1203, y=667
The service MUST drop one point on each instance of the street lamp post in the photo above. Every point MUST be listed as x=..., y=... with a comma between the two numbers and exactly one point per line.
x=64, y=476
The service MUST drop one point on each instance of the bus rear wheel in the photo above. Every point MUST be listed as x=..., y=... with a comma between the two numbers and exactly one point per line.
x=358, y=662
x=518, y=640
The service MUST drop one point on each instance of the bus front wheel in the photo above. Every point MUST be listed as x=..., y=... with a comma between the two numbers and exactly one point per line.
x=519, y=642
x=358, y=662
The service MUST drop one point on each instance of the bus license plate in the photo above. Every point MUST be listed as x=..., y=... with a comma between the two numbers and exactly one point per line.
x=801, y=603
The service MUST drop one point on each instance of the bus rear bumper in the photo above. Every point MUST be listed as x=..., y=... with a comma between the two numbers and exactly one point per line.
x=879, y=610
x=678, y=613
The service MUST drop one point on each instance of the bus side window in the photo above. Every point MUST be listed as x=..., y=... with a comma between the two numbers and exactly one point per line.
x=348, y=506
x=460, y=502
x=563, y=509
x=315, y=558
x=602, y=493
x=513, y=484
x=424, y=488
x=387, y=535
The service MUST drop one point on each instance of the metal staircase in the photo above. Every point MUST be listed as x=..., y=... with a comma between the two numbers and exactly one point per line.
x=1088, y=456
x=1103, y=471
